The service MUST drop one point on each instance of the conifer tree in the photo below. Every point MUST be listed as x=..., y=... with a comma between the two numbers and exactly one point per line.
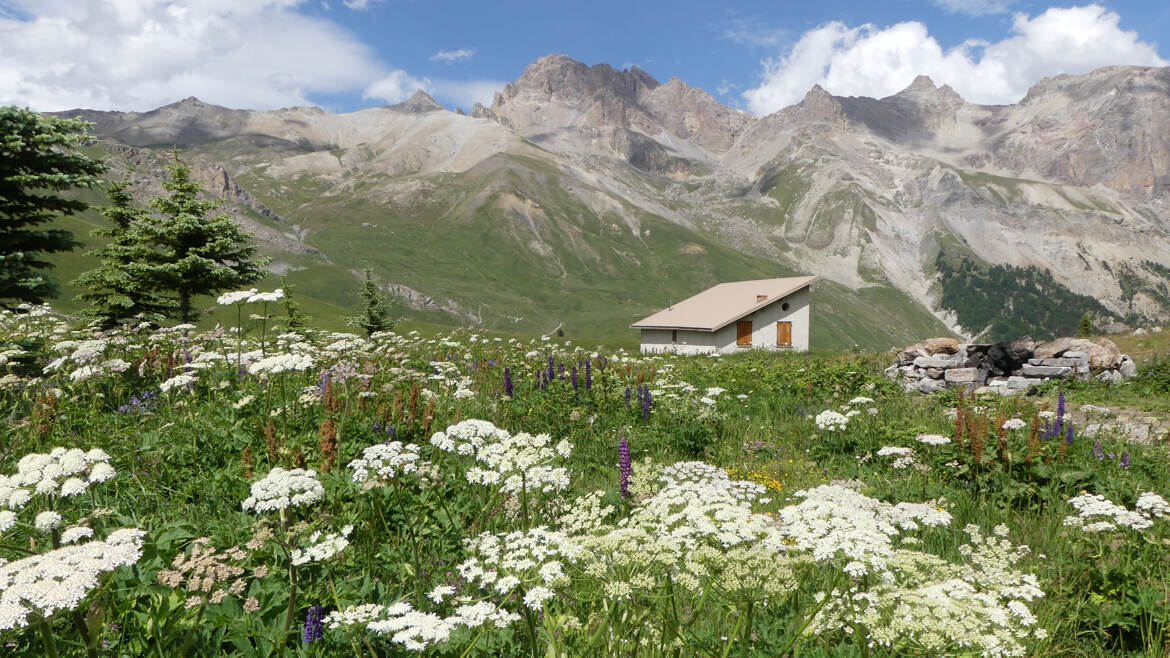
x=117, y=290
x=38, y=161
x=197, y=254
x=297, y=318
x=375, y=310
x=1086, y=326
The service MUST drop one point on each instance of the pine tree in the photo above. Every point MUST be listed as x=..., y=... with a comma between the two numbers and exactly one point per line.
x=297, y=318
x=117, y=290
x=1086, y=326
x=376, y=310
x=198, y=255
x=38, y=161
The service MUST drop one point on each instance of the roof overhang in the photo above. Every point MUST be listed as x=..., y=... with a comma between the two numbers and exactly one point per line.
x=796, y=285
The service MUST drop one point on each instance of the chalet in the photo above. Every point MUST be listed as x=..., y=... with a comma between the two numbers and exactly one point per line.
x=770, y=314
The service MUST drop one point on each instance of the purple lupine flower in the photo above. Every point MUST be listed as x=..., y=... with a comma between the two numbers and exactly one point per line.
x=1068, y=434
x=625, y=469
x=588, y=374
x=1125, y=459
x=646, y=403
x=562, y=369
x=1098, y=451
x=1058, y=428
x=604, y=362
x=377, y=426
x=324, y=381
x=314, y=624
x=627, y=397
x=574, y=378
x=507, y=381
x=551, y=372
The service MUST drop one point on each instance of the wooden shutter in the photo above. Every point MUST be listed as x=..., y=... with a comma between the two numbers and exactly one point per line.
x=743, y=333
x=784, y=334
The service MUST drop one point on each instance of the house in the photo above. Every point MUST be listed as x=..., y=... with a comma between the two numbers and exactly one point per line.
x=767, y=314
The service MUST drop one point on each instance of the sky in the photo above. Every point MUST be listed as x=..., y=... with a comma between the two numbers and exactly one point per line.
x=345, y=55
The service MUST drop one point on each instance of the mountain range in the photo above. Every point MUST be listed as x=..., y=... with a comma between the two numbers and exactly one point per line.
x=586, y=197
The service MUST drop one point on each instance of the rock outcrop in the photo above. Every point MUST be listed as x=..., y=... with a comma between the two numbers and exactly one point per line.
x=1007, y=367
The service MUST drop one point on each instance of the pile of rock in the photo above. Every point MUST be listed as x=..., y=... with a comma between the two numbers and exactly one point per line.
x=1007, y=367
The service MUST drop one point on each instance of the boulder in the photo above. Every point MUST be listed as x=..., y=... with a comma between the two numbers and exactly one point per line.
x=1111, y=376
x=1140, y=332
x=964, y=376
x=940, y=362
x=1102, y=353
x=931, y=385
x=1011, y=354
x=934, y=373
x=1054, y=348
x=941, y=345
x=1105, y=354
x=1019, y=383
x=1030, y=370
x=908, y=355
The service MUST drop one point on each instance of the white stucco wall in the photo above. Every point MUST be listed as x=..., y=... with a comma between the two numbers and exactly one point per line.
x=763, y=331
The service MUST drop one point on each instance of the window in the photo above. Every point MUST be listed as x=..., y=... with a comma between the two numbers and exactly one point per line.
x=743, y=333
x=674, y=335
x=783, y=334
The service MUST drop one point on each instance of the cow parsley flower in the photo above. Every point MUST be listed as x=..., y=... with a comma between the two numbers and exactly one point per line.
x=273, y=296
x=831, y=421
x=1092, y=506
x=322, y=548
x=280, y=363
x=1014, y=424
x=178, y=381
x=385, y=460
x=238, y=297
x=42, y=585
x=933, y=439
x=281, y=489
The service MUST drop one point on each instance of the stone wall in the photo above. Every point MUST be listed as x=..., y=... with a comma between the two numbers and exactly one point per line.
x=1008, y=367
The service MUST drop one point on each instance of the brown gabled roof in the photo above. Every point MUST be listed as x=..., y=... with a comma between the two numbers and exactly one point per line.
x=723, y=304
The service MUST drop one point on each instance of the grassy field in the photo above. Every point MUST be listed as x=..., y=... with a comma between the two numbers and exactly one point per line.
x=476, y=494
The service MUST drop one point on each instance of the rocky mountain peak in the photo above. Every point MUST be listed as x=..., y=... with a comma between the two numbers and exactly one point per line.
x=562, y=77
x=924, y=92
x=818, y=105
x=420, y=103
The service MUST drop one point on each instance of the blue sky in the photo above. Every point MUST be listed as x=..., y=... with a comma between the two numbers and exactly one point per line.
x=349, y=54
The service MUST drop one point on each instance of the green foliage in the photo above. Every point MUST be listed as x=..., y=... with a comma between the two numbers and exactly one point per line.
x=117, y=290
x=1001, y=302
x=1085, y=328
x=39, y=160
x=196, y=254
x=375, y=309
x=295, y=318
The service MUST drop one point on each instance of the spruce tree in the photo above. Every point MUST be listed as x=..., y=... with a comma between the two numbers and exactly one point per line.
x=117, y=290
x=375, y=310
x=297, y=318
x=38, y=161
x=197, y=254
x=1086, y=326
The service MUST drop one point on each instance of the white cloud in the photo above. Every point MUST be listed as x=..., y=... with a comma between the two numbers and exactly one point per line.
x=139, y=54
x=752, y=32
x=871, y=61
x=399, y=86
x=396, y=87
x=358, y=5
x=974, y=7
x=452, y=56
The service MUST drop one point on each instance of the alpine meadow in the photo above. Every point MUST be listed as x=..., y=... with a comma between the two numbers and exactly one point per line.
x=859, y=354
